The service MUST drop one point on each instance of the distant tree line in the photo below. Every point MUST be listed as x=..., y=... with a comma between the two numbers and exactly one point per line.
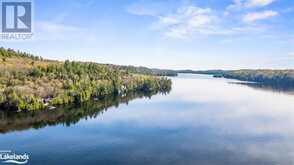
x=265, y=76
x=8, y=53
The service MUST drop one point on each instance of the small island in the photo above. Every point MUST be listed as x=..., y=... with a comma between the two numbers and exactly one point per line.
x=30, y=83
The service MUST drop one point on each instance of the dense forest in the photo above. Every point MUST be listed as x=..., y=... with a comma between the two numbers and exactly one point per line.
x=29, y=82
x=148, y=71
x=266, y=76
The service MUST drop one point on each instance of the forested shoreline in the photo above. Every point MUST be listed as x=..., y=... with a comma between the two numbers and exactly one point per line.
x=65, y=114
x=272, y=77
x=29, y=82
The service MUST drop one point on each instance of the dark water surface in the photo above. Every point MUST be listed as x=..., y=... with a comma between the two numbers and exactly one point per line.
x=202, y=121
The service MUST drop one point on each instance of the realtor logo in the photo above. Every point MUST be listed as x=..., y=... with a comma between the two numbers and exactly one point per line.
x=10, y=157
x=16, y=17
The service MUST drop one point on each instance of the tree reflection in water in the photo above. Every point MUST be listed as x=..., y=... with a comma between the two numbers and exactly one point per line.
x=66, y=115
x=269, y=87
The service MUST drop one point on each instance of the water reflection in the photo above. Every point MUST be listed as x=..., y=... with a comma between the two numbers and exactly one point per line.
x=269, y=87
x=201, y=121
x=67, y=115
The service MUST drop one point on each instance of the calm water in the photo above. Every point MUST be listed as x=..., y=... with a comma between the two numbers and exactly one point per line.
x=201, y=121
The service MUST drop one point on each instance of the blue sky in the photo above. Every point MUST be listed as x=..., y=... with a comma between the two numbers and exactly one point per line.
x=177, y=34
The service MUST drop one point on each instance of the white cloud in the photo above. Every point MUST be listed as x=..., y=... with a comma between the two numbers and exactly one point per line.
x=169, y=20
x=258, y=3
x=200, y=20
x=190, y=15
x=178, y=32
x=252, y=17
x=240, y=4
x=237, y=5
x=187, y=20
x=190, y=20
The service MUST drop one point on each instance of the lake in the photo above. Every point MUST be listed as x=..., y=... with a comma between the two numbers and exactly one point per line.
x=203, y=120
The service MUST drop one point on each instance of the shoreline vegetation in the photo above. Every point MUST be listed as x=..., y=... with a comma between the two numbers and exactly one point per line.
x=69, y=114
x=276, y=78
x=29, y=83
